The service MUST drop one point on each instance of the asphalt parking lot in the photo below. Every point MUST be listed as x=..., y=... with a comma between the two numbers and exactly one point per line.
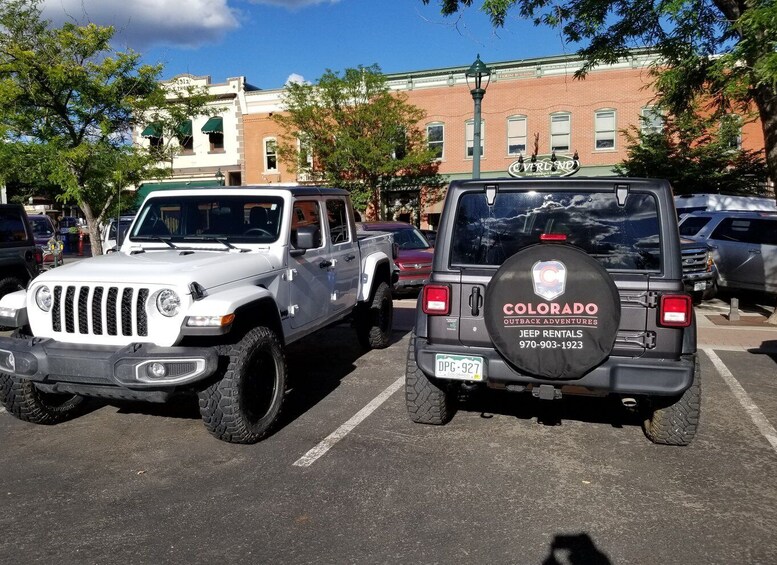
x=349, y=479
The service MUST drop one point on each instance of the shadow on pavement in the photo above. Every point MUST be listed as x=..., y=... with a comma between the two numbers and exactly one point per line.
x=575, y=548
x=600, y=410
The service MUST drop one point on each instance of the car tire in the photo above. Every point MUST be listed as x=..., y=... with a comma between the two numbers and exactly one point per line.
x=428, y=400
x=244, y=404
x=674, y=421
x=374, y=321
x=10, y=284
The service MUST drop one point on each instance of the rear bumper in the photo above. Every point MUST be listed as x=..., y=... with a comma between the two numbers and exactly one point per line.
x=619, y=375
x=106, y=371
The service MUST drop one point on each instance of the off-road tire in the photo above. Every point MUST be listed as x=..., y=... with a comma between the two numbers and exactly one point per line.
x=674, y=421
x=374, y=321
x=428, y=400
x=245, y=403
x=23, y=400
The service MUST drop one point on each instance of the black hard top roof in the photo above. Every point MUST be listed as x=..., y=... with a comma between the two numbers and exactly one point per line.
x=295, y=190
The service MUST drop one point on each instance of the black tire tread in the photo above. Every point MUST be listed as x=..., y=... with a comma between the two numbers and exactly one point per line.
x=676, y=423
x=428, y=400
x=24, y=401
x=369, y=330
x=220, y=404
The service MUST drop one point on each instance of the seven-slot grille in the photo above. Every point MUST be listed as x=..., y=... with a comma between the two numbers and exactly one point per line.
x=98, y=310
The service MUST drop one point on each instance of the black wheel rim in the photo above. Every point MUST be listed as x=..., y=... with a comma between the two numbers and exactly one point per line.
x=259, y=386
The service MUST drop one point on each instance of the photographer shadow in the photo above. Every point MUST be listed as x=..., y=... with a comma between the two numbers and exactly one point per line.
x=576, y=549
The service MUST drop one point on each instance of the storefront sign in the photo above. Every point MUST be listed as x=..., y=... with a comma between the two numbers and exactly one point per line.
x=544, y=166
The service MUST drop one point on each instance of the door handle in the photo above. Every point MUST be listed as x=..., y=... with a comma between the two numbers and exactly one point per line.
x=475, y=301
x=325, y=264
x=349, y=258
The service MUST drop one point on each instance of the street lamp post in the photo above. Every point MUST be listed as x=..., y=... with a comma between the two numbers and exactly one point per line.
x=476, y=72
x=220, y=177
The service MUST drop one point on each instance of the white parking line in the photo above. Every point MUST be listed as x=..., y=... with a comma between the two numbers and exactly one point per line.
x=311, y=456
x=760, y=421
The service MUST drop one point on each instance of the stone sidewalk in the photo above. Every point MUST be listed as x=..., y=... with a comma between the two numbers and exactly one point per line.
x=749, y=333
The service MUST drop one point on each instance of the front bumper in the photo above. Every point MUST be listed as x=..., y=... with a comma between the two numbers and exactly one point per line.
x=106, y=371
x=619, y=375
x=408, y=282
x=699, y=282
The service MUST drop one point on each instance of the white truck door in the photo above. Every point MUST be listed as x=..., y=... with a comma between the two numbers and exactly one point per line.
x=344, y=251
x=310, y=295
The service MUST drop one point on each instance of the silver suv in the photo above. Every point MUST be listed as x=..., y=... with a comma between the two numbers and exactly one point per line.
x=744, y=246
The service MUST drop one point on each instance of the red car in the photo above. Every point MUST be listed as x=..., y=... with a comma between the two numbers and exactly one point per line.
x=415, y=254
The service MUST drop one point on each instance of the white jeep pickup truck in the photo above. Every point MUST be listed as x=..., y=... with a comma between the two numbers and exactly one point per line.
x=208, y=288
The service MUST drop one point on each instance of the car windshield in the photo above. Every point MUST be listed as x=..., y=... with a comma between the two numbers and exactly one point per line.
x=409, y=238
x=620, y=237
x=236, y=219
x=42, y=227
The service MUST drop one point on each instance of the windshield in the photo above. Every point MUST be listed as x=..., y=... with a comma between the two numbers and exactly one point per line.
x=620, y=237
x=237, y=219
x=42, y=227
x=409, y=238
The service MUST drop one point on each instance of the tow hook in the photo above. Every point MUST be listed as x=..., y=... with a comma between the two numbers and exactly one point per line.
x=546, y=392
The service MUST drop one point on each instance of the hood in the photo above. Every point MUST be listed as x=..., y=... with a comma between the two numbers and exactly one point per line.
x=415, y=256
x=208, y=268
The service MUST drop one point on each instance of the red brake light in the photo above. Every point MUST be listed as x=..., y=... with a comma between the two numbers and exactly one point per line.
x=553, y=237
x=675, y=310
x=436, y=300
x=39, y=256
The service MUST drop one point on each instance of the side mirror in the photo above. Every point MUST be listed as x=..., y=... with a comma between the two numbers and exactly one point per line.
x=304, y=238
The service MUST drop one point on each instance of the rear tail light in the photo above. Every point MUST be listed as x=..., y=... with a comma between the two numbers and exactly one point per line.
x=39, y=256
x=553, y=237
x=394, y=250
x=436, y=300
x=675, y=310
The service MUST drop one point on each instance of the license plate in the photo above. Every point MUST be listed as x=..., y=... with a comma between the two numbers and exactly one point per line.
x=700, y=286
x=458, y=367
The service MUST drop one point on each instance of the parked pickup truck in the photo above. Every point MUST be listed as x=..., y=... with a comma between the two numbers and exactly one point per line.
x=208, y=288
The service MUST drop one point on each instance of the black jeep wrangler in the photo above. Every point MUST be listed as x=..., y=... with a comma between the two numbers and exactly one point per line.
x=558, y=286
x=20, y=259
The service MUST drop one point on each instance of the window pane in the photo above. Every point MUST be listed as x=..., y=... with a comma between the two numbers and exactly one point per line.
x=620, y=237
x=338, y=221
x=516, y=135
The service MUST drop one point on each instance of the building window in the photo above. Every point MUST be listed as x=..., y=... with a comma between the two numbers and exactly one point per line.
x=731, y=131
x=185, y=138
x=604, y=129
x=652, y=120
x=516, y=135
x=560, y=131
x=470, y=138
x=270, y=154
x=435, y=139
x=214, y=129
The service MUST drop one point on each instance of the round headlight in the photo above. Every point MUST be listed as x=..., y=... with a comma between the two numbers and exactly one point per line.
x=43, y=298
x=168, y=302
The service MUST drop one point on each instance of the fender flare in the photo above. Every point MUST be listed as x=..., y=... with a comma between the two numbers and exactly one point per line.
x=372, y=264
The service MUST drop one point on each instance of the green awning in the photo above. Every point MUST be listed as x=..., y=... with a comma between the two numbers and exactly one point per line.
x=152, y=130
x=185, y=129
x=214, y=125
x=147, y=187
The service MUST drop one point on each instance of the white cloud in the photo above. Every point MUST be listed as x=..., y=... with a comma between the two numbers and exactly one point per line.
x=293, y=4
x=295, y=78
x=143, y=23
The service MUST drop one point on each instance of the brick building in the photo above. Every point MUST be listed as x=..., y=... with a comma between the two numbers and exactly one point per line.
x=579, y=122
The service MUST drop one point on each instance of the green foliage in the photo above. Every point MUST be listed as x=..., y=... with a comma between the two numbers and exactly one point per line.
x=68, y=103
x=355, y=134
x=719, y=53
x=698, y=155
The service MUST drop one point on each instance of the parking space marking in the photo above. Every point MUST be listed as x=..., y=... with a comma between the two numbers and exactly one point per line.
x=760, y=421
x=326, y=444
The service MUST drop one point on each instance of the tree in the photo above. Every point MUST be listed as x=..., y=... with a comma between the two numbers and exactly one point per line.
x=720, y=54
x=68, y=103
x=350, y=131
x=697, y=154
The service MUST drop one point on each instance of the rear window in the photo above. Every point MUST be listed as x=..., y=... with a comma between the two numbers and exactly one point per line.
x=620, y=237
x=691, y=225
x=11, y=227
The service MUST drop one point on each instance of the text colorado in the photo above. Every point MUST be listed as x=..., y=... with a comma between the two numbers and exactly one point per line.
x=552, y=308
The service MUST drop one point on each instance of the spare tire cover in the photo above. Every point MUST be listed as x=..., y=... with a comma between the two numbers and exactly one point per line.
x=552, y=311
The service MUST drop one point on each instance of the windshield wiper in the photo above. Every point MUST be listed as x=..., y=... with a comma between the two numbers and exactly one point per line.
x=221, y=240
x=165, y=240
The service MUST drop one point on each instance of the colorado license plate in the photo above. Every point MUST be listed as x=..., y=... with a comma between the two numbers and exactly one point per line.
x=458, y=367
x=700, y=286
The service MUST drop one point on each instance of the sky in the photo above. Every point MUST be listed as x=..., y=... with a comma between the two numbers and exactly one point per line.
x=272, y=41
